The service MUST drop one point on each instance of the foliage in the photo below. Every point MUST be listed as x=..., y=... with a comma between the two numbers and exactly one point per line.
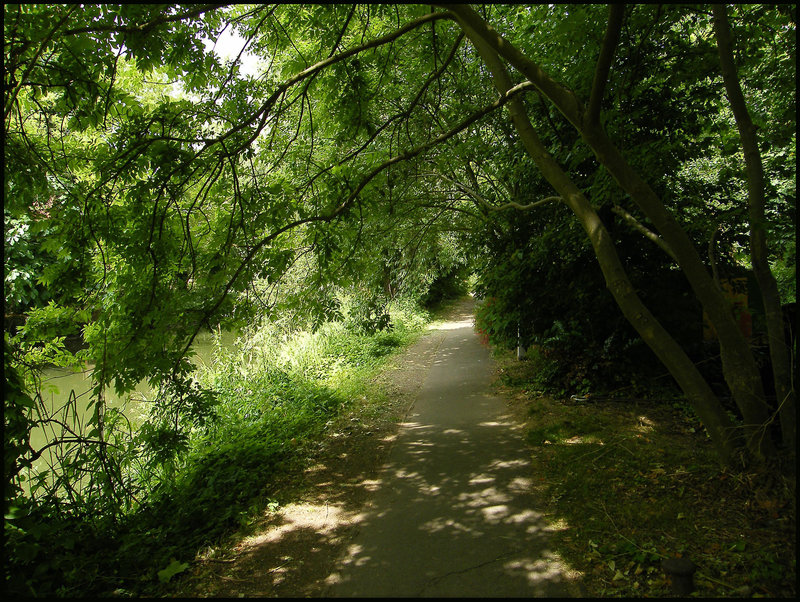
x=19, y=251
x=17, y=403
x=274, y=395
x=647, y=117
x=164, y=205
x=154, y=188
x=561, y=311
x=631, y=482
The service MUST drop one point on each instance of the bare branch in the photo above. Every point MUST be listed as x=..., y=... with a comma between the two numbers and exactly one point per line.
x=491, y=206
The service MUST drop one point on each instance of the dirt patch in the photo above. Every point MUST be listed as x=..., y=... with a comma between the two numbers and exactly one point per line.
x=292, y=549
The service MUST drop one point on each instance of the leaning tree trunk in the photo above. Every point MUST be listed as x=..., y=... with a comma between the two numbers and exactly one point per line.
x=703, y=400
x=739, y=366
x=778, y=348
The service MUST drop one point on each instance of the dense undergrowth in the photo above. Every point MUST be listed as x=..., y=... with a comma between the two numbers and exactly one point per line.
x=275, y=392
x=631, y=482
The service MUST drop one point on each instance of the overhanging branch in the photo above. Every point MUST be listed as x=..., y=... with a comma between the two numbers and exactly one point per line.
x=639, y=227
x=351, y=198
x=491, y=206
x=146, y=27
x=262, y=112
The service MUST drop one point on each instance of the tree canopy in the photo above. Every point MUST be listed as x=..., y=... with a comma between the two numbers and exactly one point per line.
x=603, y=171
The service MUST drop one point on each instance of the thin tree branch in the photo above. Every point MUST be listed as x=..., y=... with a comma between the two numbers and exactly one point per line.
x=146, y=27
x=712, y=256
x=342, y=31
x=12, y=98
x=262, y=112
x=637, y=225
x=616, y=13
x=491, y=206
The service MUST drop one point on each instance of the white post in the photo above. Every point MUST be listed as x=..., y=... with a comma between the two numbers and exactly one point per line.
x=521, y=351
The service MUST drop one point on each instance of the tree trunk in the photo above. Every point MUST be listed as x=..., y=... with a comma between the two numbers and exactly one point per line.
x=699, y=394
x=778, y=348
x=739, y=366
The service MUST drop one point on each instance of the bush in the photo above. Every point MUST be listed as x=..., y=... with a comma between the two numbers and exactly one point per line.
x=268, y=399
x=563, y=309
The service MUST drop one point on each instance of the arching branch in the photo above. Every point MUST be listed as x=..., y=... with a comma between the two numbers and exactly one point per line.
x=476, y=196
x=350, y=200
x=150, y=25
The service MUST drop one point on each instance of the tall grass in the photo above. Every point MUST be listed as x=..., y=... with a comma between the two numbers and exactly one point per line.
x=275, y=392
x=290, y=380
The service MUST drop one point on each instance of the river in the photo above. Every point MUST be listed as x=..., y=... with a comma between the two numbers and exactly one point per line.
x=60, y=384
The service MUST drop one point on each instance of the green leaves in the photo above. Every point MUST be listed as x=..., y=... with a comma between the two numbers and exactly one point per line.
x=152, y=190
x=174, y=568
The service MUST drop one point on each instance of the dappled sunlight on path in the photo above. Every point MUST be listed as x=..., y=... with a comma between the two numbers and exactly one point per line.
x=460, y=317
x=453, y=514
x=441, y=506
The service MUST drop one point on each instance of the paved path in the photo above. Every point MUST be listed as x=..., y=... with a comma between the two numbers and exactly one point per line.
x=452, y=516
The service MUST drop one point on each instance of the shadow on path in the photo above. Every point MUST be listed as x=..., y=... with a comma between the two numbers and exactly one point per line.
x=452, y=514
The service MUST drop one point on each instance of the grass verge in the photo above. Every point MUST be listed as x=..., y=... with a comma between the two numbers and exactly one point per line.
x=631, y=483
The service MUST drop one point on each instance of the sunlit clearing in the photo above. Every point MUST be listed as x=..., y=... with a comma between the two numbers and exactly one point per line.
x=452, y=325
